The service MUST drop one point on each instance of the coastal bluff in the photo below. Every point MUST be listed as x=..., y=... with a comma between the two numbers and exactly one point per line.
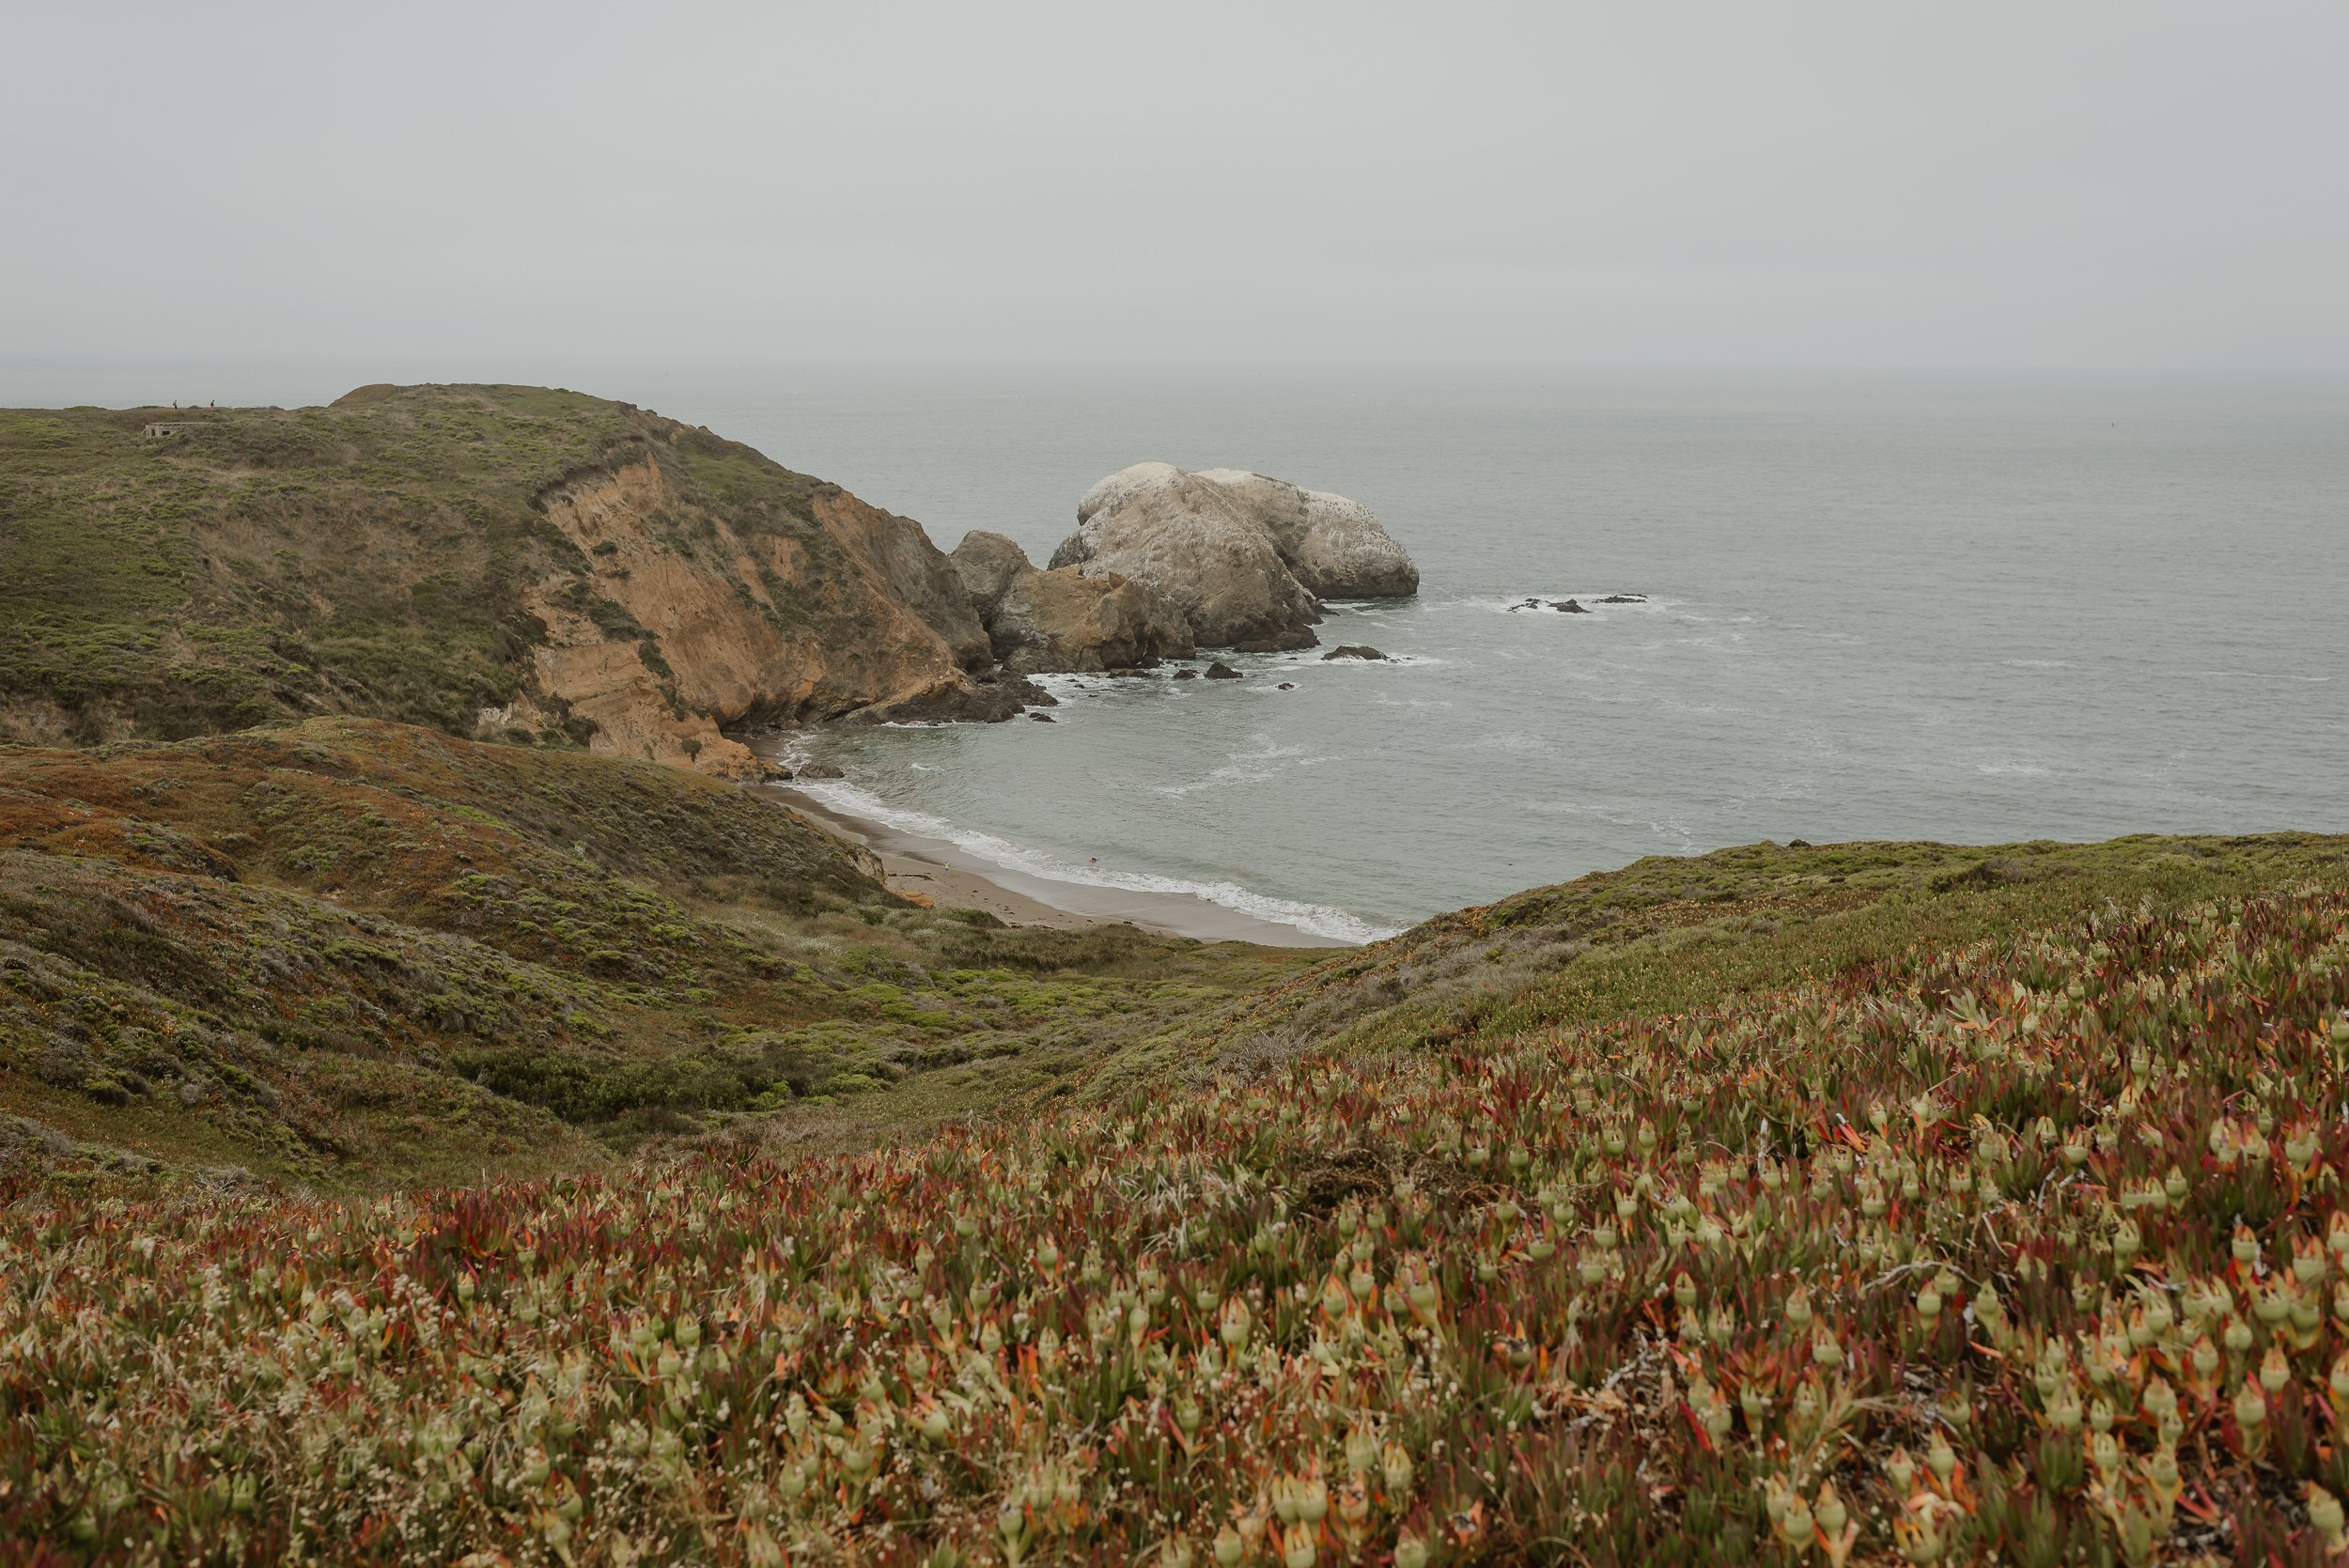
x=498, y=561
x=1246, y=558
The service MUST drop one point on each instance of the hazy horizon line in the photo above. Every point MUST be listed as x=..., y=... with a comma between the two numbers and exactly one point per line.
x=21, y=378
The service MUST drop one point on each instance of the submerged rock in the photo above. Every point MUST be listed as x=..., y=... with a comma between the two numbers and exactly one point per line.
x=1352, y=650
x=1625, y=599
x=1569, y=607
x=1244, y=556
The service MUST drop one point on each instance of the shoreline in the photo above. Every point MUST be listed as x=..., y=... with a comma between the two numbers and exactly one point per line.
x=953, y=878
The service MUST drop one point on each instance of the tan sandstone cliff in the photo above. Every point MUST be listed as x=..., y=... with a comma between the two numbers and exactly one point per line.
x=749, y=624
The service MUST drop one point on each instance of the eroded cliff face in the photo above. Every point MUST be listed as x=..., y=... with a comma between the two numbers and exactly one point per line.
x=689, y=622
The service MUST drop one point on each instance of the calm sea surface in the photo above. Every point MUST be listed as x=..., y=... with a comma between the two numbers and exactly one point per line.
x=1968, y=610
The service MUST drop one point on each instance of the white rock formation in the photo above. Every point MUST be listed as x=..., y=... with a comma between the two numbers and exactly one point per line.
x=1245, y=557
x=1331, y=545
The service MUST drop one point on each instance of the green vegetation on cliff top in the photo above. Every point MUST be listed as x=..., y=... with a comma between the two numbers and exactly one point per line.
x=367, y=557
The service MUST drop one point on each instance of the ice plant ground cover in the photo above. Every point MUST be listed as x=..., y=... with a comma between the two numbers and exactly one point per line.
x=2030, y=1251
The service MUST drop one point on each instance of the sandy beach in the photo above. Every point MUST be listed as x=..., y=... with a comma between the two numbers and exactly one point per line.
x=952, y=878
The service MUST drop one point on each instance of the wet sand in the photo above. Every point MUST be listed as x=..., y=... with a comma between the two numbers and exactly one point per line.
x=953, y=878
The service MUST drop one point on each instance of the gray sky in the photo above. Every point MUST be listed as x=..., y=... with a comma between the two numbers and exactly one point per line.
x=2057, y=183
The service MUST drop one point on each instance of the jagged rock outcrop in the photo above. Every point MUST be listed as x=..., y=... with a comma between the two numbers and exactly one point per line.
x=1064, y=620
x=1330, y=544
x=1040, y=622
x=986, y=564
x=1246, y=557
x=1187, y=538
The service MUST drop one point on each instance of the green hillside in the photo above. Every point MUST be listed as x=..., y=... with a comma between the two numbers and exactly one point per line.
x=353, y=954
x=1979, y=1206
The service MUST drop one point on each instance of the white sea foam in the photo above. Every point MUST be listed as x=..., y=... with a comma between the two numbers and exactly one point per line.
x=1319, y=919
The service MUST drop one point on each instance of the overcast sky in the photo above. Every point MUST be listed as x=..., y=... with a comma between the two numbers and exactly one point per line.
x=2059, y=183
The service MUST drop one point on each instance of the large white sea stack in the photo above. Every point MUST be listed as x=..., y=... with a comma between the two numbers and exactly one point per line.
x=1246, y=557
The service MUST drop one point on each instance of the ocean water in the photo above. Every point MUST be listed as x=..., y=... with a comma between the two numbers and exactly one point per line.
x=1965, y=609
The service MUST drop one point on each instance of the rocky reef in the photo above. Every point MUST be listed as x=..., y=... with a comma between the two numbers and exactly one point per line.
x=1246, y=558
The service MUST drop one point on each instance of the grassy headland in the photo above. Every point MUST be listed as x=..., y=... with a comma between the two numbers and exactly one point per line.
x=265, y=563
x=508, y=562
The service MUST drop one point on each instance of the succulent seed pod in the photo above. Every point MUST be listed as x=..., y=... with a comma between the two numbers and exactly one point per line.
x=1794, y=1523
x=2063, y=1412
x=1394, y=1469
x=2250, y=1406
x=2161, y=1472
x=2325, y=1513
